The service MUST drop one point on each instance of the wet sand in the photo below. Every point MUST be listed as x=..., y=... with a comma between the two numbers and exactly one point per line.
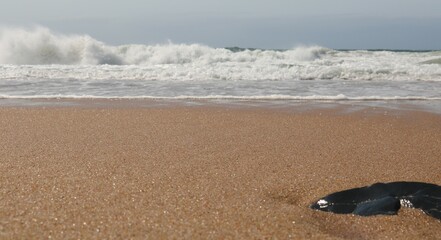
x=207, y=172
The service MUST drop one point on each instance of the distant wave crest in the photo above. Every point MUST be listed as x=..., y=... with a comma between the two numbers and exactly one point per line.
x=40, y=46
x=28, y=54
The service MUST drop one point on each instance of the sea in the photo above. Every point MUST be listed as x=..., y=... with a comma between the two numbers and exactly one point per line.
x=40, y=64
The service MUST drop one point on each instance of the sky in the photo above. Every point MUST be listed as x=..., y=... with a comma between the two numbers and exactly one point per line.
x=274, y=24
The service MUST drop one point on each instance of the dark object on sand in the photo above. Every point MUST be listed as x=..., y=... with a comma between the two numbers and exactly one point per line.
x=384, y=198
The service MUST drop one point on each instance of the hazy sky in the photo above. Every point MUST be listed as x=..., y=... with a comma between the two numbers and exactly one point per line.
x=397, y=24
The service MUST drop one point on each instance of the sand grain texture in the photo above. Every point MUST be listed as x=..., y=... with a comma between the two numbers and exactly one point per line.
x=201, y=172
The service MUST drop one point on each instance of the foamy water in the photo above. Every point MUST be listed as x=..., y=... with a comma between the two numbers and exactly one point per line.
x=38, y=63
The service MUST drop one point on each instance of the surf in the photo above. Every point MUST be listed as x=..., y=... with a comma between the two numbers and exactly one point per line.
x=41, y=46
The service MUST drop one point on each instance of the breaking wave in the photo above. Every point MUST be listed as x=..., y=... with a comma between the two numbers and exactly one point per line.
x=31, y=54
x=38, y=63
x=40, y=46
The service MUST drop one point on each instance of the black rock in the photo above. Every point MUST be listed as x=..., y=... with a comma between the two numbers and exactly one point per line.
x=384, y=198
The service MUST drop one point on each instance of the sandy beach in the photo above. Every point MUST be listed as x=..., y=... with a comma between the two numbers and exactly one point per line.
x=207, y=172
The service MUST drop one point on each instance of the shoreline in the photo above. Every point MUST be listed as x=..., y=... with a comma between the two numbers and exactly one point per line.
x=207, y=171
x=348, y=106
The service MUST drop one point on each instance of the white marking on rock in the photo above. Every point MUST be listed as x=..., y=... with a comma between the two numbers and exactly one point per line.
x=406, y=203
x=322, y=203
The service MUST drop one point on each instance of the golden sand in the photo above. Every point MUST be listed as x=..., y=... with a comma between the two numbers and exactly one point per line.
x=206, y=172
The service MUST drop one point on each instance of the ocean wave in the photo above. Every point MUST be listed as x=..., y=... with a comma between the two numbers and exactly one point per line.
x=40, y=46
x=433, y=61
x=39, y=53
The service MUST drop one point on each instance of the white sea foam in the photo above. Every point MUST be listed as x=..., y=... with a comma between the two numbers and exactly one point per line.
x=41, y=46
x=37, y=62
x=339, y=97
